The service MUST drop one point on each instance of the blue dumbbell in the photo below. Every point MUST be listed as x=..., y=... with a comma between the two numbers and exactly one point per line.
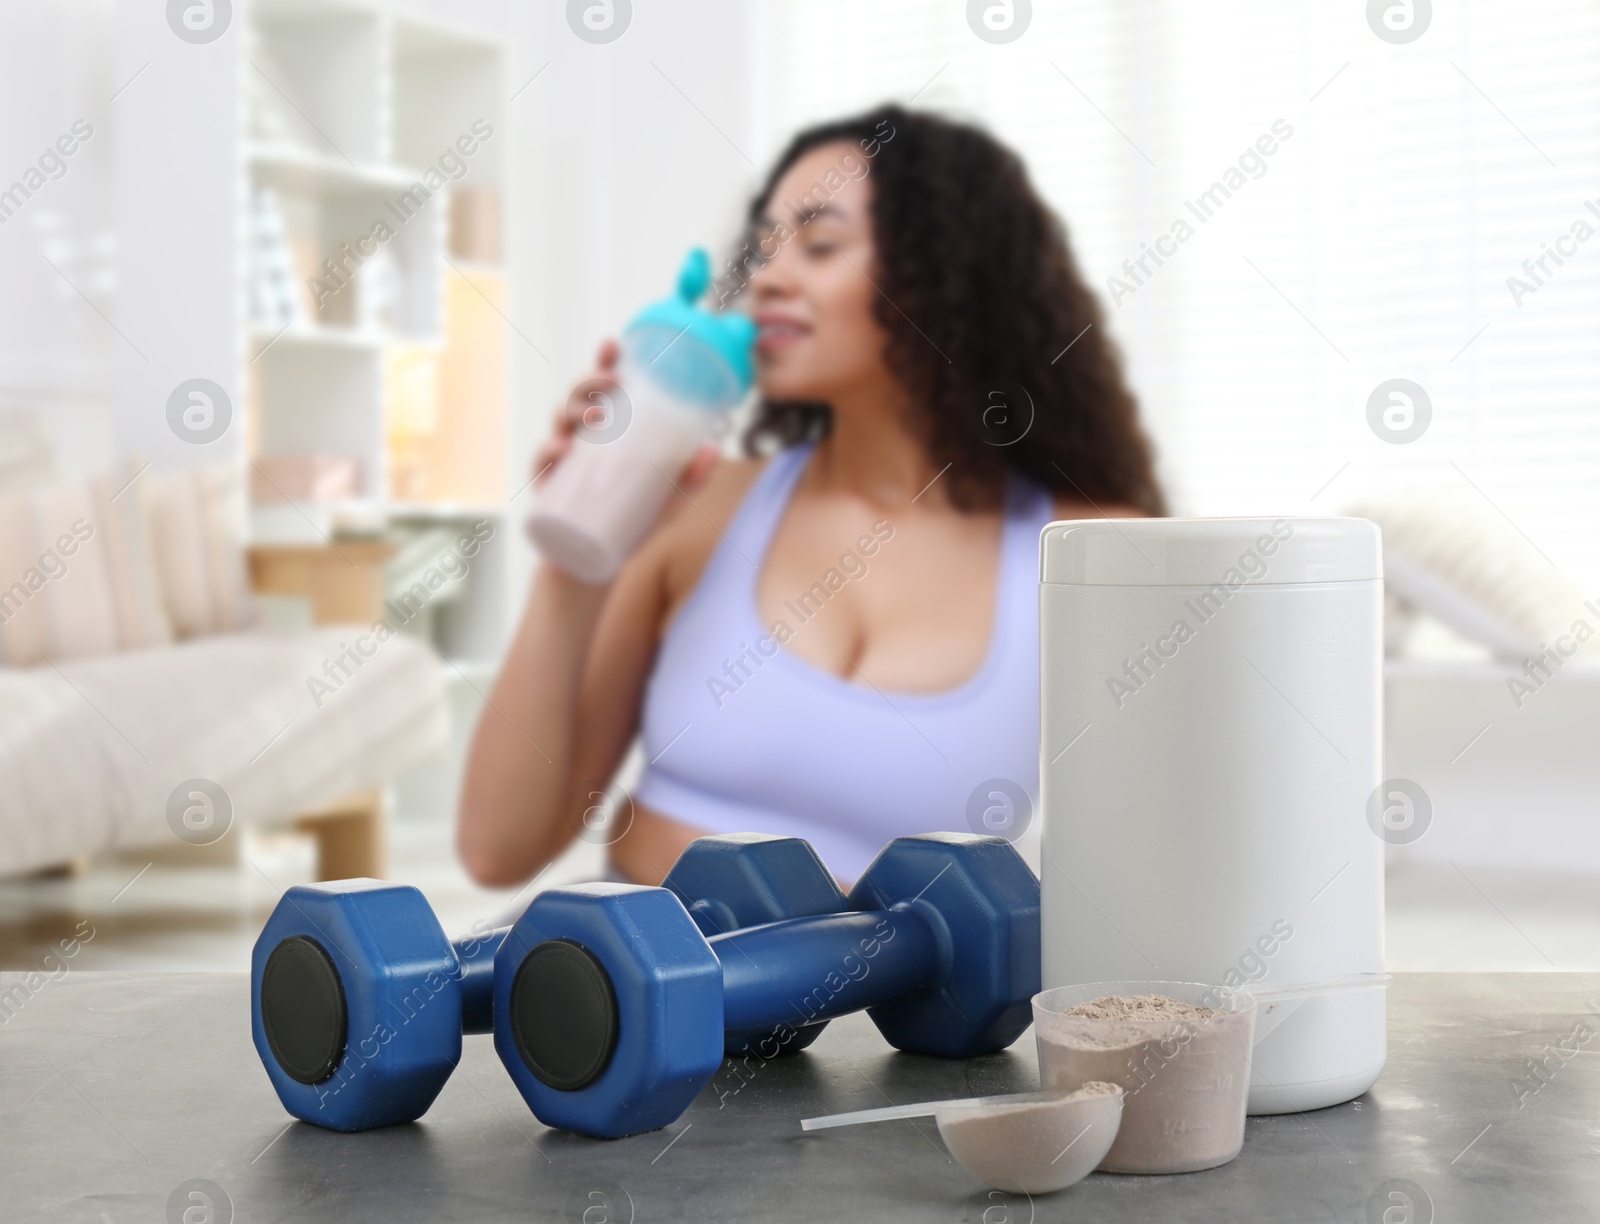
x=359, y=1000
x=774, y=878
x=612, y=1008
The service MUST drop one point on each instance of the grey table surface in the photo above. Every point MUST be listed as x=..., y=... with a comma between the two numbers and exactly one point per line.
x=118, y=1090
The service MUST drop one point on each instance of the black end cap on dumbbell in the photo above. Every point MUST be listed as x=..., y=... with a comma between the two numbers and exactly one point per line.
x=303, y=1009
x=564, y=1015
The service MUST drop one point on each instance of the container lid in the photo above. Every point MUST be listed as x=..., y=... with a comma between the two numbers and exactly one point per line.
x=1208, y=551
x=725, y=340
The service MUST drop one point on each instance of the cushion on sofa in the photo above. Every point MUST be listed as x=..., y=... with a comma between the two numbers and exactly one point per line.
x=75, y=558
x=197, y=528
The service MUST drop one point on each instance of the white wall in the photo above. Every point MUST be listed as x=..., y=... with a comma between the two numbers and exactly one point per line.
x=1375, y=243
x=179, y=194
x=57, y=352
x=619, y=175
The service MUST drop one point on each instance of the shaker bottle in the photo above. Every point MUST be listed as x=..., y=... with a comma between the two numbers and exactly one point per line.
x=1210, y=752
x=682, y=370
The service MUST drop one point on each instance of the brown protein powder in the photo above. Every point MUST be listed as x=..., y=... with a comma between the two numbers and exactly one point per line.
x=1184, y=1071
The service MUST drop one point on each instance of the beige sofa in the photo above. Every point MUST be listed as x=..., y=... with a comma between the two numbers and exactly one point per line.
x=91, y=751
x=93, y=748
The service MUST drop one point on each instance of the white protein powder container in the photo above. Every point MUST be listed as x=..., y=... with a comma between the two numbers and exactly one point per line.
x=1210, y=737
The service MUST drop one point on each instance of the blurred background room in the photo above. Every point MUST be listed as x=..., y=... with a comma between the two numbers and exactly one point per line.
x=289, y=290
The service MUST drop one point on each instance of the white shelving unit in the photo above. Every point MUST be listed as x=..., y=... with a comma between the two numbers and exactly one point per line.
x=350, y=142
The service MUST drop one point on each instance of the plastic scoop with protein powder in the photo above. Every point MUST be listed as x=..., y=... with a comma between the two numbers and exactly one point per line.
x=1024, y=1142
x=683, y=369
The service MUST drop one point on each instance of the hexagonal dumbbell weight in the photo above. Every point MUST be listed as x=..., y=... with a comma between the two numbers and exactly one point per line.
x=359, y=1001
x=612, y=1007
x=739, y=880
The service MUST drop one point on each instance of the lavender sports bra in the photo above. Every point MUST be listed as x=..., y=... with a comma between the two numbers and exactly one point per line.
x=740, y=735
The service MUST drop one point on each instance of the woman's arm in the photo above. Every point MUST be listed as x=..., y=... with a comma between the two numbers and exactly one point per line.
x=566, y=702
x=562, y=712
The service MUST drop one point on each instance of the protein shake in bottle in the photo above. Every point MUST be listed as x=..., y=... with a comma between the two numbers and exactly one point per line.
x=682, y=370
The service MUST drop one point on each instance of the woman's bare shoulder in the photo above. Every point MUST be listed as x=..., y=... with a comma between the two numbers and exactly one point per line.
x=1078, y=508
x=717, y=497
x=696, y=522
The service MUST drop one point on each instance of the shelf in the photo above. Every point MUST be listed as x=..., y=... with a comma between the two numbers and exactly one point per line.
x=309, y=334
x=307, y=10
x=397, y=361
x=414, y=31
x=442, y=511
x=472, y=268
x=359, y=514
x=314, y=336
x=425, y=35
x=291, y=168
x=469, y=670
x=312, y=523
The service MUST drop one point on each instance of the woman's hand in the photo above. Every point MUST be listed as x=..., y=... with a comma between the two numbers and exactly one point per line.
x=586, y=396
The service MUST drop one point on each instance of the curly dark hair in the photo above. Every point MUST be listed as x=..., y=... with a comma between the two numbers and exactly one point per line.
x=1000, y=344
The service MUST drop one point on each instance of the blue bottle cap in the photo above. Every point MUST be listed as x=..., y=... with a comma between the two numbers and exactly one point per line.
x=704, y=357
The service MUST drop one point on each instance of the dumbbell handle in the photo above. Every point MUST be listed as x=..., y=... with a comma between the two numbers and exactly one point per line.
x=805, y=969
x=475, y=953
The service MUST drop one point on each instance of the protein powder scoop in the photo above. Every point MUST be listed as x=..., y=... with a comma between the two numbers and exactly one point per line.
x=1025, y=1142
